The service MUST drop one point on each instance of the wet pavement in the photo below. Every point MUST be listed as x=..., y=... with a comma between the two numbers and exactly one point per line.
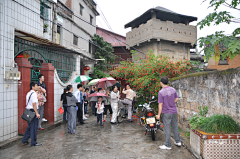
x=122, y=141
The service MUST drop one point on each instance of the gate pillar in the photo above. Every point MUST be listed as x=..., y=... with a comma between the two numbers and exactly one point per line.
x=24, y=66
x=48, y=71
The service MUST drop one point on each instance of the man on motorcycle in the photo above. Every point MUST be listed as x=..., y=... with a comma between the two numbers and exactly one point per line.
x=130, y=94
x=167, y=97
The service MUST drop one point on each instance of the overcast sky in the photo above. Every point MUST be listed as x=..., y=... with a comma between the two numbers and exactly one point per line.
x=120, y=12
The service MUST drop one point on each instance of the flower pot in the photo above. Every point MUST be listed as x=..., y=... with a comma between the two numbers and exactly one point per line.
x=215, y=146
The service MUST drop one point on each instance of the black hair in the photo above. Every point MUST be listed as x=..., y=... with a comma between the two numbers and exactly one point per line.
x=65, y=90
x=129, y=85
x=40, y=76
x=69, y=87
x=32, y=84
x=114, y=87
x=164, y=80
x=99, y=89
x=87, y=89
x=79, y=85
x=99, y=97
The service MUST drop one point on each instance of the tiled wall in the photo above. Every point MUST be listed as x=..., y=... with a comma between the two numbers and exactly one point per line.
x=20, y=18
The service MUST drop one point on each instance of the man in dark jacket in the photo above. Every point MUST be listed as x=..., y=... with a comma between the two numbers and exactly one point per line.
x=71, y=103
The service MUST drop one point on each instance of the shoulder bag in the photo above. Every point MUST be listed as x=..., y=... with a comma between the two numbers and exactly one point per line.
x=28, y=115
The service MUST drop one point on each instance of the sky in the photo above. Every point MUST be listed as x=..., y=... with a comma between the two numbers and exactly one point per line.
x=120, y=12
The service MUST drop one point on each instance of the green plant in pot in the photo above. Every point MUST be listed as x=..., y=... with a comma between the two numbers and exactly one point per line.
x=217, y=123
x=45, y=26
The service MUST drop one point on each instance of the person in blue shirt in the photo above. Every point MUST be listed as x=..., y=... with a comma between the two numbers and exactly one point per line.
x=78, y=94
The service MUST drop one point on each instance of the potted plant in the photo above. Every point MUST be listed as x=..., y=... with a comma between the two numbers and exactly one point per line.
x=216, y=136
x=45, y=26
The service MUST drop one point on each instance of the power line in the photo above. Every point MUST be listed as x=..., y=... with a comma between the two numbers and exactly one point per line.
x=66, y=29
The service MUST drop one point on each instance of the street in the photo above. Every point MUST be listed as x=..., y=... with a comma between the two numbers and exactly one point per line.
x=125, y=140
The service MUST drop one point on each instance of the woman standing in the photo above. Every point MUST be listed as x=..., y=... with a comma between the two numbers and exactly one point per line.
x=86, y=94
x=41, y=101
x=107, y=105
x=63, y=102
x=114, y=104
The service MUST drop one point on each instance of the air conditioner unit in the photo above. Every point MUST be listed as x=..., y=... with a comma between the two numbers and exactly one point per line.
x=12, y=75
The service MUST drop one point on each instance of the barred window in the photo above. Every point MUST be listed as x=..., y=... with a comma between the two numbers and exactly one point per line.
x=75, y=40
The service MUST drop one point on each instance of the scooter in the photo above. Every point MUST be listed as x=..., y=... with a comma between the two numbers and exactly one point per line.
x=148, y=119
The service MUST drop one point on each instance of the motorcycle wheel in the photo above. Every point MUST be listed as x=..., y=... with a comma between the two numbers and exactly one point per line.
x=120, y=116
x=153, y=135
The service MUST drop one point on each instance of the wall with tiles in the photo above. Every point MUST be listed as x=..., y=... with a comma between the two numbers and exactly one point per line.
x=13, y=16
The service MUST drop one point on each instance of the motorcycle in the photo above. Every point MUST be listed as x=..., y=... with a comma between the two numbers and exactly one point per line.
x=148, y=119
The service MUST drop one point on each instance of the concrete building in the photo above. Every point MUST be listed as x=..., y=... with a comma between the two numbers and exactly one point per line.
x=31, y=44
x=163, y=31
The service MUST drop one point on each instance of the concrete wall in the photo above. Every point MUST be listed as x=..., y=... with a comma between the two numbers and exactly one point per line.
x=163, y=30
x=174, y=51
x=18, y=17
x=219, y=90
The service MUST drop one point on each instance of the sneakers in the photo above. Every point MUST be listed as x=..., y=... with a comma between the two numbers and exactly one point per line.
x=163, y=147
x=43, y=119
x=178, y=144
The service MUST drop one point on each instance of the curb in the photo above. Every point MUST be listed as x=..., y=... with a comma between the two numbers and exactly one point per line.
x=8, y=143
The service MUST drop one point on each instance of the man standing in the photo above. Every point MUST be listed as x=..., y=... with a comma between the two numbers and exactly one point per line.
x=78, y=95
x=93, y=104
x=41, y=109
x=167, y=97
x=32, y=105
x=71, y=109
x=130, y=94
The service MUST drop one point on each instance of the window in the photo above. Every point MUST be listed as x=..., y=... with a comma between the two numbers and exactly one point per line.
x=58, y=34
x=44, y=10
x=91, y=19
x=223, y=62
x=81, y=9
x=75, y=40
x=117, y=59
x=90, y=47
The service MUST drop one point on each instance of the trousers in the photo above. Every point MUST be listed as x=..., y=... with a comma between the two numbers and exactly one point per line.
x=114, y=112
x=168, y=121
x=93, y=108
x=40, y=111
x=31, y=132
x=80, y=112
x=65, y=112
x=100, y=118
x=129, y=103
x=72, y=115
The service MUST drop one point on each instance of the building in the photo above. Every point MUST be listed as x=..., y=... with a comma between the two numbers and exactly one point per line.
x=119, y=45
x=163, y=31
x=41, y=36
x=224, y=64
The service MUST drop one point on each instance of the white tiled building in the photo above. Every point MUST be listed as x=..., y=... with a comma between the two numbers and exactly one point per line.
x=22, y=36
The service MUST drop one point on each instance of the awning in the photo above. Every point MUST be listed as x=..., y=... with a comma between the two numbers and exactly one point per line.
x=49, y=44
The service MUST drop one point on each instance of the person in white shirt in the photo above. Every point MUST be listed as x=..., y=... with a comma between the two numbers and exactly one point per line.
x=114, y=104
x=100, y=107
x=79, y=96
x=32, y=105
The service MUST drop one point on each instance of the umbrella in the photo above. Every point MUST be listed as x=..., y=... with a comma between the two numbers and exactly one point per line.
x=81, y=78
x=93, y=82
x=106, y=82
x=94, y=97
x=117, y=84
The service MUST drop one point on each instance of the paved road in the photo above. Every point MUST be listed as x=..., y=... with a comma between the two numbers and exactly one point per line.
x=122, y=141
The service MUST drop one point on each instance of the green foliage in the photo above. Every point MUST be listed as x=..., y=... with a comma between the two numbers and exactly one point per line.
x=198, y=63
x=203, y=110
x=99, y=70
x=230, y=42
x=218, y=124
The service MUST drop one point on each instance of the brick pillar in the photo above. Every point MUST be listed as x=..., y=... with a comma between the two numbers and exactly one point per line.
x=24, y=66
x=48, y=71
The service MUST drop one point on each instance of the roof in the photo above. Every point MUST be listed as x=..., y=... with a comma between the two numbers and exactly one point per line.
x=111, y=37
x=161, y=13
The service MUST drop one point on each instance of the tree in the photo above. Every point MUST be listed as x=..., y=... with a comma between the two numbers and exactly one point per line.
x=210, y=44
x=99, y=70
x=144, y=75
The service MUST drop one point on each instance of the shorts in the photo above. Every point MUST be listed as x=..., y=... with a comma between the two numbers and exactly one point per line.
x=106, y=108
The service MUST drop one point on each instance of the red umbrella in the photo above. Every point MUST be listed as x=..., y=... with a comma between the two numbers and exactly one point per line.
x=94, y=97
x=106, y=82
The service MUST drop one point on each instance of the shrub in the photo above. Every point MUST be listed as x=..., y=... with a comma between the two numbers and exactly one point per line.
x=218, y=124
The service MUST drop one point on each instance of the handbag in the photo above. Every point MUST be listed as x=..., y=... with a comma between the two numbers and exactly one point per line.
x=28, y=115
x=61, y=111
